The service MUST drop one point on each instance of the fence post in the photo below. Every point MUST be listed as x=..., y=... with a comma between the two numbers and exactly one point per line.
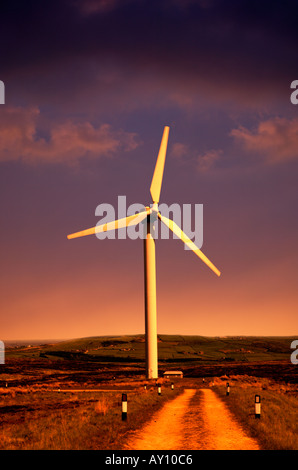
x=257, y=406
x=124, y=407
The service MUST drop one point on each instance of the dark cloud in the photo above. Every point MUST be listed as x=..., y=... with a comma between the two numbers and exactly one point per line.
x=245, y=49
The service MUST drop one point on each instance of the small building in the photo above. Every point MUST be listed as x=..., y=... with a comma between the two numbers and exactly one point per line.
x=168, y=374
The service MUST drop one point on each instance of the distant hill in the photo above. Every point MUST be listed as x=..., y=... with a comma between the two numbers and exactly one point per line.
x=171, y=349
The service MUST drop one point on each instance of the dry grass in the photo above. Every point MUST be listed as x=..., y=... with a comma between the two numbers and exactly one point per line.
x=82, y=421
x=32, y=417
x=102, y=406
x=277, y=429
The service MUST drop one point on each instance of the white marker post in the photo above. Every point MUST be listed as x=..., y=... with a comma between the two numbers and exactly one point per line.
x=228, y=389
x=124, y=407
x=257, y=406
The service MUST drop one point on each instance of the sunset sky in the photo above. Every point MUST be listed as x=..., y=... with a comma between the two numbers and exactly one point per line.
x=89, y=87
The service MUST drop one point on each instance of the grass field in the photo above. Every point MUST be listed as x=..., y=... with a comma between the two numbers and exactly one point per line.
x=35, y=418
x=48, y=420
x=277, y=428
x=35, y=415
x=170, y=348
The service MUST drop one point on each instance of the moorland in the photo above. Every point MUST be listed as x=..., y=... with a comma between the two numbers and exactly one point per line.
x=67, y=394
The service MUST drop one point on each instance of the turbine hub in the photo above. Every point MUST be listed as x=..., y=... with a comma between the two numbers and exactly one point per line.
x=154, y=207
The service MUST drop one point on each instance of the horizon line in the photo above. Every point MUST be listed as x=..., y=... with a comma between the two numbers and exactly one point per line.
x=46, y=340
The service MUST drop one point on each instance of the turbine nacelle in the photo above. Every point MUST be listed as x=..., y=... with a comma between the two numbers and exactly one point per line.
x=153, y=212
x=154, y=207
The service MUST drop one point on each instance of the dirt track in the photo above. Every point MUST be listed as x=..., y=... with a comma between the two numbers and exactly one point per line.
x=188, y=424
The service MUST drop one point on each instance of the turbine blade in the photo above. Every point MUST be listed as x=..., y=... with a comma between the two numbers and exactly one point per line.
x=159, y=167
x=180, y=234
x=116, y=224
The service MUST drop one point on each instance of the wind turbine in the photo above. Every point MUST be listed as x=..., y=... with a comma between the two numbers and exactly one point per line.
x=148, y=217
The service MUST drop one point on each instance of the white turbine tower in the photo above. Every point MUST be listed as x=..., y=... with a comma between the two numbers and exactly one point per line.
x=151, y=214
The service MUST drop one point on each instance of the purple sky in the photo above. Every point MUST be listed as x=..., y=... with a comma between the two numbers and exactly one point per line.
x=89, y=87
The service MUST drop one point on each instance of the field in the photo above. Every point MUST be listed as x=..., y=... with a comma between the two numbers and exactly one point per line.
x=39, y=419
x=67, y=395
x=172, y=349
x=277, y=429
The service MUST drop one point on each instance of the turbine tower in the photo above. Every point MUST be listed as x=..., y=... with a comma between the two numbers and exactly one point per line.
x=148, y=217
